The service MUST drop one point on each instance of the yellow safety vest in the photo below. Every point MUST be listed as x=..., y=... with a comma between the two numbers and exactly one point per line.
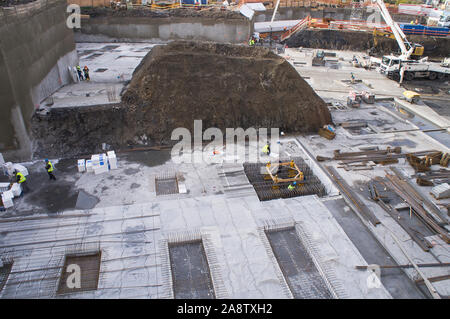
x=22, y=178
x=50, y=169
x=266, y=149
x=290, y=187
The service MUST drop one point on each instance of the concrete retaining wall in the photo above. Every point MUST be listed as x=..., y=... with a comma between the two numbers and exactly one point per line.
x=334, y=13
x=36, y=49
x=137, y=29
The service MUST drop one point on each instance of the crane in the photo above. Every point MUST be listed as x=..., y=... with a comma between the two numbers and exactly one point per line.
x=407, y=49
x=402, y=66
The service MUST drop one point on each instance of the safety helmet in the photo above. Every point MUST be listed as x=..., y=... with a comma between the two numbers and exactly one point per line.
x=295, y=183
x=46, y=159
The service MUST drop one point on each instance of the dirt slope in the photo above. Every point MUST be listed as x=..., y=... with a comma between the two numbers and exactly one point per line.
x=225, y=86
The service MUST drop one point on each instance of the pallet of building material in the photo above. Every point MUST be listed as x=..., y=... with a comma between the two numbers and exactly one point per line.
x=433, y=158
x=424, y=182
x=417, y=163
x=327, y=134
x=441, y=191
x=348, y=155
x=444, y=160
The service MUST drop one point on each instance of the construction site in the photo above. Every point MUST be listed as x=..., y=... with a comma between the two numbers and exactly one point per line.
x=224, y=150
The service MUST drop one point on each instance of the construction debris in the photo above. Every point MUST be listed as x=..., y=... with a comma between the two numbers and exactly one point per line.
x=393, y=212
x=404, y=191
x=352, y=197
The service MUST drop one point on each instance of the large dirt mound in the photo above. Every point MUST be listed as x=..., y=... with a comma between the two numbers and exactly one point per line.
x=225, y=86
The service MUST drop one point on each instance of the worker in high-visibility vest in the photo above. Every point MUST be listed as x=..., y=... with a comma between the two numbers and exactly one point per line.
x=22, y=180
x=291, y=187
x=266, y=149
x=49, y=168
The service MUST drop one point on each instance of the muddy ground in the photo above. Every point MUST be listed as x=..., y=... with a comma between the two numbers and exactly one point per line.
x=364, y=41
x=179, y=13
x=226, y=86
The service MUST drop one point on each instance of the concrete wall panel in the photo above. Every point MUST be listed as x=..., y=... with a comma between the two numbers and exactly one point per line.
x=34, y=46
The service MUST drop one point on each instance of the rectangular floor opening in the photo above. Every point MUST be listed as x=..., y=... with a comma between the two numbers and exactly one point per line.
x=297, y=266
x=89, y=270
x=191, y=275
x=5, y=270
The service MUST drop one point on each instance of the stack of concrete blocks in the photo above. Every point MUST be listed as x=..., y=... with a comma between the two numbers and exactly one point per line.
x=112, y=160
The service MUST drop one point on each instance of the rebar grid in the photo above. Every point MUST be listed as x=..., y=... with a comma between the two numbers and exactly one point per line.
x=266, y=189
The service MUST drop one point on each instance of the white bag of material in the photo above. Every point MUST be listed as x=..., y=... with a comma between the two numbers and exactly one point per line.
x=4, y=187
x=81, y=165
x=112, y=160
x=22, y=169
x=7, y=195
x=2, y=160
x=7, y=202
x=8, y=168
x=89, y=166
x=16, y=189
x=97, y=158
x=102, y=168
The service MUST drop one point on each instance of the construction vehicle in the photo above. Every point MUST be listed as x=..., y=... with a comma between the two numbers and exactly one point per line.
x=368, y=97
x=354, y=99
x=403, y=66
x=411, y=96
x=444, y=20
x=318, y=58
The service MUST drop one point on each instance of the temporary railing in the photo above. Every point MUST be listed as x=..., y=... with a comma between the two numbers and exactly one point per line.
x=296, y=28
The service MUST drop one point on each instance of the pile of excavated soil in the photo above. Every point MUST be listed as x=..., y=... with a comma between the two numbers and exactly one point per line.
x=225, y=86
x=363, y=41
x=176, y=13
